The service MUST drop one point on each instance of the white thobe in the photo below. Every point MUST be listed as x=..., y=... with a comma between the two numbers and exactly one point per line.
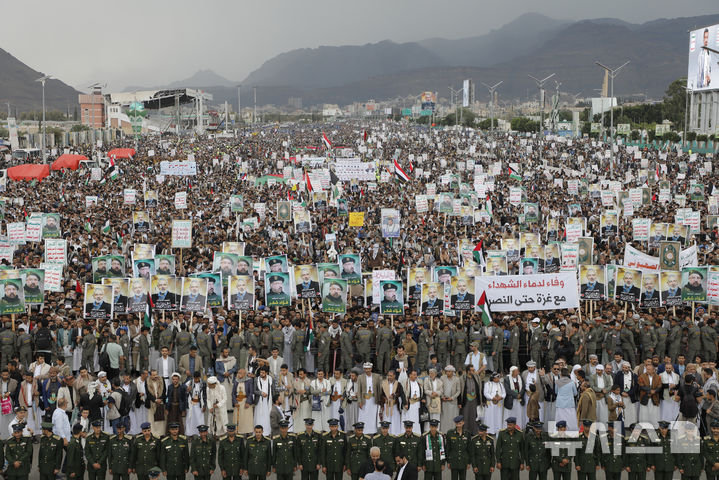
x=262, y=408
x=368, y=413
x=413, y=397
x=195, y=417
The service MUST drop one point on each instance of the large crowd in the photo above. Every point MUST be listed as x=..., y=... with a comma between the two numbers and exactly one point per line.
x=299, y=386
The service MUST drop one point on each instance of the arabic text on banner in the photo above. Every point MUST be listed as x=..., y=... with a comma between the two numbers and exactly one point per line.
x=633, y=258
x=179, y=167
x=182, y=234
x=521, y=293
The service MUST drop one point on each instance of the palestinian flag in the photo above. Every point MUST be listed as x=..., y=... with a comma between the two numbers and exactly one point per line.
x=308, y=182
x=401, y=174
x=483, y=305
x=118, y=239
x=310, y=336
x=114, y=173
x=514, y=174
x=326, y=141
x=88, y=226
x=106, y=227
x=478, y=253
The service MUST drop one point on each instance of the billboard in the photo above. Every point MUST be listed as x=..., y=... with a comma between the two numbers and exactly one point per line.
x=703, y=72
x=428, y=100
x=465, y=93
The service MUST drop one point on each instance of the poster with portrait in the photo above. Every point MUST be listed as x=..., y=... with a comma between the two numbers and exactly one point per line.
x=536, y=251
x=628, y=284
x=592, y=284
x=194, y=294
x=319, y=200
x=443, y=274
x=141, y=222
x=165, y=265
x=650, y=293
x=214, y=288
x=531, y=212
x=245, y=265
x=462, y=294
x=527, y=239
x=670, y=287
x=342, y=208
x=432, y=298
x=696, y=192
x=466, y=215
x=694, y=284
x=120, y=292
x=165, y=292
x=303, y=222
x=150, y=199
x=334, y=296
x=143, y=268
x=51, y=225
x=368, y=293
x=237, y=248
x=552, y=258
x=657, y=233
x=328, y=271
x=511, y=246
x=277, y=263
x=669, y=253
x=466, y=253
x=98, y=301
x=552, y=229
x=446, y=201
x=225, y=264
x=496, y=266
x=608, y=224
x=108, y=266
x=284, y=211
x=586, y=250
x=33, y=285
x=574, y=210
x=529, y=266
x=307, y=283
x=677, y=233
x=237, y=204
x=390, y=223
x=416, y=277
x=392, y=302
x=610, y=275
x=351, y=265
x=241, y=293
x=143, y=251
x=277, y=289
x=137, y=299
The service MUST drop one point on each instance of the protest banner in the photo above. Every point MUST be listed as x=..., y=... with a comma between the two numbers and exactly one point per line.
x=640, y=228
x=356, y=219
x=180, y=200
x=182, y=234
x=16, y=233
x=520, y=293
x=129, y=196
x=178, y=167
x=53, y=276
x=56, y=250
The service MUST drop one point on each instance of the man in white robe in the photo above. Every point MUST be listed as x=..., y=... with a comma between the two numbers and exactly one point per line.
x=288, y=331
x=393, y=399
x=337, y=388
x=264, y=387
x=216, y=407
x=275, y=362
x=141, y=412
x=669, y=403
x=320, y=390
x=451, y=390
x=197, y=402
x=433, y=395
x=369, y=387
x=413, y=392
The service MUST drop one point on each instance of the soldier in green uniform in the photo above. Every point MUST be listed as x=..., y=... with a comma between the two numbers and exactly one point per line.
x=510, y=450
x=710, y=452
x=663, y=464
x=49, y=457
x=385, y=442
x=385, y=337
x=230, y=453
x=284, y=453
x=537, y=456
x=482, y=450
x=202, y=455
x=174, y=454
x=674, y=338
x=258, y=455
x=357, y=453
x=8, y=338
x=96, y=452
x=612, y=462
x=458, y=449
x=688, y=456
x=443, y=345
x=119, y=449
x=276, y=296
x=562, y=460
x=363, y=340
x=694, y=342
x=585, y=462
x=435, y=450
x=308, y=451
x=74, y=460
x=145, y=452
x=18, y=454
x=333, y=448
x=636, y=463
x=409, y=443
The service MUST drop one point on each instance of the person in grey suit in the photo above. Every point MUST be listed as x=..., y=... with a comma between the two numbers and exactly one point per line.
x=188, y=366
x=277, y=415
x=165, y=366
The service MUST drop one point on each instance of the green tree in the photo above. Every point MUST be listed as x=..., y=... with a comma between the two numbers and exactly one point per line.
x=674, y=104
x=524, y=124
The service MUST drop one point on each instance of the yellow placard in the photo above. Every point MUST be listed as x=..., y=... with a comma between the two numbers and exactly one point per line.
x=356, y=219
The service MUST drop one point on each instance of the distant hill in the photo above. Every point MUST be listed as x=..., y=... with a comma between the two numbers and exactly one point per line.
x=18, y=86
x=201, y=79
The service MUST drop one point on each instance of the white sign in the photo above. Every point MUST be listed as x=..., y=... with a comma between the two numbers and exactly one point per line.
x=6, y=252
x=640, y=227
x=179, y=167
x=53, y=276
x=349, y=168
x=180, y=200
x=128, y=196
x=16, y=233
x=182, y=234
x=33, y=230
x=378, y=275
x=521, y=293
x=56, y=250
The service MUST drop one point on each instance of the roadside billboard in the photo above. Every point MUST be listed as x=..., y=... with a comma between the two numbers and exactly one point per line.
x=703, y=71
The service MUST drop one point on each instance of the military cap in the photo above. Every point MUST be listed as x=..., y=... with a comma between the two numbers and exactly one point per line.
x=482, y=427
x=348, y=260
x=538, y=425
x=434, y=422
x=389, y=286
x=154, y=472
x=358, y=425
x=561, y=424
x=511, y=420
x=120, y=425
x=145, y=426
x=385, y=424
x=231, y=427
x=97, y=423
x=408, y=423
x=696, y=272
x=458, y=418
x=174, y=425
x=284, y=423
x=587, y=423
x=309, y=421
x=18, y=427
x=333, y=422
x=528, y=263
x=46, y=425
x=202, y=428
x=20, y=409
x=443, y=271
x=274, y=261
x=663, y=424
x=715, y=424
x=143, y=265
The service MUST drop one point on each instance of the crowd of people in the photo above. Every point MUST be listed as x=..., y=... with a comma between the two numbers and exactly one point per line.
x=426, y=389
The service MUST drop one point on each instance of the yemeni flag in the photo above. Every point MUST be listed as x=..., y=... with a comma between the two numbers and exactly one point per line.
x=326, y=141
x=514, y=174
x=483, y=305
x=310, y=336
x=401, y=174
x=106, y=227
x=308, y=182
x=364, y=136
x=411, y=167
x=478, y=253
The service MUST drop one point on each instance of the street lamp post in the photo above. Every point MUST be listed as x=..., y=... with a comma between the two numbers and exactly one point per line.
x=687, y=91
x=612, y=73
x=492, y=89
x=540, y=86
x=254, y=116
x=239, y=105
x=42, y=80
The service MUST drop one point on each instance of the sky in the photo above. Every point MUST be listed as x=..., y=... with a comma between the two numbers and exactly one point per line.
x=155, y=42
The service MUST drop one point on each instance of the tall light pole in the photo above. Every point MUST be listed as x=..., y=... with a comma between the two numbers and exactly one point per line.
x=492, y=89
x=239, y=105
x=42, y=80
x=254, y=116
x=540, y=86
x=612, y=73
x=687, y=91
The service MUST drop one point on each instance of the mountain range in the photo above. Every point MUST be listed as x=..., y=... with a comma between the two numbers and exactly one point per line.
x=532, y=44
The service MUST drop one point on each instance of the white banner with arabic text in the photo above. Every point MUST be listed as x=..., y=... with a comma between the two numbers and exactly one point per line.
x=522, y=293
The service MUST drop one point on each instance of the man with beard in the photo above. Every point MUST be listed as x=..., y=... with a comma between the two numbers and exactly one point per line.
x=164, y=267
x=227, y=266
x=213, y=299
x=462, y=298
x=390, y=303
x=193, y=300
x=243, y=267
x=143, y=270
x=32, y=287
x=307, y=284
x=11, y=297
x=137, y=302
x=415, y=291
x=673, y=289
x=51, y=228
x=98, y=308
x=694, y=284
x=334, y=296
x=100, y=270
x=276, y=295
x=164, y=299
x=243, y=299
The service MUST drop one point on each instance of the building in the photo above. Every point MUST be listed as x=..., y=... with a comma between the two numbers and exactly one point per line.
x=92, y=109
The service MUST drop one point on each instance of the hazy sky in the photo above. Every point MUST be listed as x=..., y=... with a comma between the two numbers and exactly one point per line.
x=153, y=42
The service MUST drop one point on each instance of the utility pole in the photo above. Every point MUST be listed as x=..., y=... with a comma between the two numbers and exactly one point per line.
x=42, y=80
x=687, y=92
x=239, y=105
x=612, y=73
x=540, y=86
x=492, y=89
x=254, y=116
